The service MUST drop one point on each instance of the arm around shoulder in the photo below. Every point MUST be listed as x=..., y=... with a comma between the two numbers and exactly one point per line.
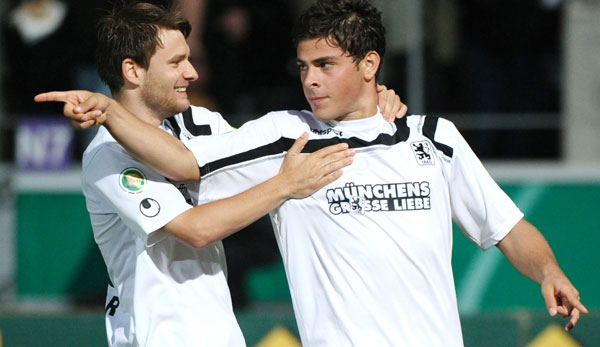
x=300, y=176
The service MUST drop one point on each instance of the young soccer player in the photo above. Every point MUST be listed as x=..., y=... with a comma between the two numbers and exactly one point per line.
x=368, y=257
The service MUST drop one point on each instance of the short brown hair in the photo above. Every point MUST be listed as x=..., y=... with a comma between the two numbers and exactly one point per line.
x=131, y=30
x=353, y=25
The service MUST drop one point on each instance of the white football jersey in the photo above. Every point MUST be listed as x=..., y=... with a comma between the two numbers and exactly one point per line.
x=368, y=257
x=164, y=292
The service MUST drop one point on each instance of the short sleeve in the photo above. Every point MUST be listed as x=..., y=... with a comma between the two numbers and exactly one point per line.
x=114, y=182
x=480, y=207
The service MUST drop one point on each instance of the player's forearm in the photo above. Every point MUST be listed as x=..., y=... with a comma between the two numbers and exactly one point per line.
x=529, y=252
x=216, y=220
x=159, y=150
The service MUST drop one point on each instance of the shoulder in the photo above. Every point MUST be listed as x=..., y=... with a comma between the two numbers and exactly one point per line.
x=430, y=125
x=103, y=151
x=441, y=132
x=202, y=115
x=197, y=121
x=103, y=141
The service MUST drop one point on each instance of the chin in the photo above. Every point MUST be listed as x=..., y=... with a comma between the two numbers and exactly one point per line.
x=320, y=115
x=182, y=106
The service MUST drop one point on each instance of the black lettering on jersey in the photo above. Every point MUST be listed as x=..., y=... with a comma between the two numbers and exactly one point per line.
x=326, y=131
x=112, y=306
x=184, y=191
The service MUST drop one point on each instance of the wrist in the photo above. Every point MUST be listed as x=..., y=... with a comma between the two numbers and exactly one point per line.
x=281, y=186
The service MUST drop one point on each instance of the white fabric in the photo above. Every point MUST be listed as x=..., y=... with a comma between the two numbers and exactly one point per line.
x=168, y=293
x=368, y=257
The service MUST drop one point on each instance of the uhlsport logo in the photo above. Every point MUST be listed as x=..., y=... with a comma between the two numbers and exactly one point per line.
x=360, y=199
x=423, y=152
x=149, y=207
x=326, y=131
x=132, y=180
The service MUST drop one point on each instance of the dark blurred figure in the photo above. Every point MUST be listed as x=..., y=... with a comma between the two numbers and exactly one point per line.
x=250, y=57
x=39, y=53
x=252, y=70
x=511, y=55
x=510, y=63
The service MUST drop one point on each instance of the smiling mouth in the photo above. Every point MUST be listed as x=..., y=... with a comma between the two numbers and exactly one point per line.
x=181, y=89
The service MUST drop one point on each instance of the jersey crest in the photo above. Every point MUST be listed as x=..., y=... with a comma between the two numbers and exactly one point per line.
x=423, y=152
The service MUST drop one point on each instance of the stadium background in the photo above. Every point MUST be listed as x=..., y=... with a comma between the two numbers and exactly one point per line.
x=536, y=133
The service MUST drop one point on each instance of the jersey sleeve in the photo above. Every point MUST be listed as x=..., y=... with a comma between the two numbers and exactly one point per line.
x=238, y=160
x=145, y=201
x=235, y=147
x=480, y=208
x=216, y=122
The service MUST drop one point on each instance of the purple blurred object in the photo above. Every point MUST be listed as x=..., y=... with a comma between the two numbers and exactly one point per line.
x=44, y=144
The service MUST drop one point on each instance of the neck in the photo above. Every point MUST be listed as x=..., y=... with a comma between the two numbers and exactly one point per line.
x=364, y=107
x=134, y=104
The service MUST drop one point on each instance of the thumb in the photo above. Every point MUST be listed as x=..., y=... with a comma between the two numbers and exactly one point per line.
x=299, y=144
x=94, y=102
x=549, y=298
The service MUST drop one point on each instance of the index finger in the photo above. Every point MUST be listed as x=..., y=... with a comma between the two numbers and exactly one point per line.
x=299, y=144
x=51, y=96
x=576, y=303
x=403, y=111
x=574, y=319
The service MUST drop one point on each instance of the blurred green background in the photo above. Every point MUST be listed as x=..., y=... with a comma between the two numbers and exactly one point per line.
x=59, y=266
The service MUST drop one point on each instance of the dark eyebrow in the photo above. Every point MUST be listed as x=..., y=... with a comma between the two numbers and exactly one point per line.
x=318, y=60
x=178, y=57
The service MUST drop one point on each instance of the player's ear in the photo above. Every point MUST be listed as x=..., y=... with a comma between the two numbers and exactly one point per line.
x=370, y=64
x=131, y=71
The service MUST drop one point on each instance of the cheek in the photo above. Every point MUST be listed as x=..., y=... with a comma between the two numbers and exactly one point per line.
x=347, y=85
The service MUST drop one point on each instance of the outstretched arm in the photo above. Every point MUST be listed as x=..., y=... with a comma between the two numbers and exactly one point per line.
x=530, y=253
x=300, y=176
x=156, y=148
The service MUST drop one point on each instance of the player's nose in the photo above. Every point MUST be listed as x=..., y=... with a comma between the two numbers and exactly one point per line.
x=190, y=72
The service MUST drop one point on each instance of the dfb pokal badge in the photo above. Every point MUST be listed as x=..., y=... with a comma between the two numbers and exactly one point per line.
x=132, y=180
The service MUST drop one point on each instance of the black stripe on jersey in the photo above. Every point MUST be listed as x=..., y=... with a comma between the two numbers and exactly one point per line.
x=283, y=144
x=194, y=129
x=429, y=129
x=175, y=126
